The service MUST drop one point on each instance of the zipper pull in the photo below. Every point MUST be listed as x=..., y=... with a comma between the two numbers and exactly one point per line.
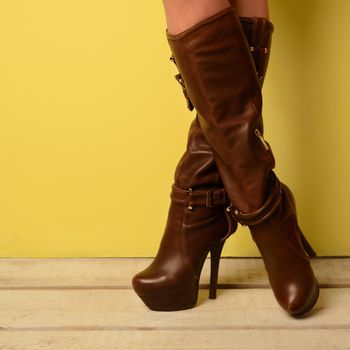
x=258, y=134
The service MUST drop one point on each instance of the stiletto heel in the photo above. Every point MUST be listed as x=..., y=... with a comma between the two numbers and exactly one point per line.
x=309, y=250
x=215, y=254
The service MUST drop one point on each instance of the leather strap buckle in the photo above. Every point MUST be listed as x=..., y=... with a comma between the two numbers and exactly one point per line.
x=178, y=77
x=199, y=198
x=256, y=217
x=215, y=198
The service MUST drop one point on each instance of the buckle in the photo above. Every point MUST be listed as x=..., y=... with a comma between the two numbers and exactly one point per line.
x=268, y=208
x=198, y=198
x=178, y=77
x=215, y=197
x=209, y=199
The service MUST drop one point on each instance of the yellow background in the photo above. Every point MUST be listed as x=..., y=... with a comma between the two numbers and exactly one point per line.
x=92, y=124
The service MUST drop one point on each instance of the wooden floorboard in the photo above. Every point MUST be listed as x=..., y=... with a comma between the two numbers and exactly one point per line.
x=174, y=340
x=116, y=273
x=254, y=308
x=89, y=304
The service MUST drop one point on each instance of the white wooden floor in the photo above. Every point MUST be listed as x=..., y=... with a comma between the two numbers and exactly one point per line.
x=89, y=304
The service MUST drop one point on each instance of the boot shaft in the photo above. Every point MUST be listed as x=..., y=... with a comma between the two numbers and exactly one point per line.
x=258, y=32
x=215, y=61
x=197, y=166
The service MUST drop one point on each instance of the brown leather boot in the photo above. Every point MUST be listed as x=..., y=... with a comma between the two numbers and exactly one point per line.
x=220, y=79
x=197, y=167
x=197, y=221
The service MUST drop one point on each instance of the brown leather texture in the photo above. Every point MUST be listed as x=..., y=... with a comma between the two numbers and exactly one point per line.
x=214, y=94
x=279, y=242
x=219, y=76
x=171, y=281
x=197, y=220
x=197, y=167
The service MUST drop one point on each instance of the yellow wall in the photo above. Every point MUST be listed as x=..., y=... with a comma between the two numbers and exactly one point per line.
x=92, y=124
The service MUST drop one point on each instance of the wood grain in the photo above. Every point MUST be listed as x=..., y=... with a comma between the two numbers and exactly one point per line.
x=89, y=304
x=116, y=273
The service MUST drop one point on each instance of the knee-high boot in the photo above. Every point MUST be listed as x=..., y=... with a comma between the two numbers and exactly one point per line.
x=219, y=77
x=197, y=220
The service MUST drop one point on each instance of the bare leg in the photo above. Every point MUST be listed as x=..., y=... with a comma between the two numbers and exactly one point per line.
x=251, y=8
x=182, y=14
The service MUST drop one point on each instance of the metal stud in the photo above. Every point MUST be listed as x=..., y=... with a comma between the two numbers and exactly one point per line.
x=190, y=207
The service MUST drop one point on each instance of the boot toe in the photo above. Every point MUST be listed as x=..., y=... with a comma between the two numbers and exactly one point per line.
x=145, y=283
x=161, y=293
x=301, y=301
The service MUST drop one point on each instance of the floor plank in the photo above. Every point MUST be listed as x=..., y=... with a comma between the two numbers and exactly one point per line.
x=252, y=308
x=116, y=273
x=319, y=339
x=89, y=304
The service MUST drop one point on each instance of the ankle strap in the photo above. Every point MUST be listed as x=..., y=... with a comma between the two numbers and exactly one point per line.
x=256, y=217
x=199, y=198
